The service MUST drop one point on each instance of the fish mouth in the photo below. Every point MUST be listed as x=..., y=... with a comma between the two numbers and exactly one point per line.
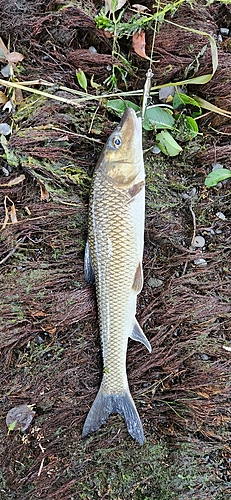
x=129, y=119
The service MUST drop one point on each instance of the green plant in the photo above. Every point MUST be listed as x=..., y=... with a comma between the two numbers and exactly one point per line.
x=217, y=176
x=179, y=117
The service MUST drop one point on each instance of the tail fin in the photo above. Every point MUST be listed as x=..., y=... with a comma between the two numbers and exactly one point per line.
x=105, y=404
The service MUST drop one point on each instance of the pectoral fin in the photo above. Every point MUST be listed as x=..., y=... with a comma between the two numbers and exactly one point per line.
x=138, y=279
x=138, y=335
x=88, y=269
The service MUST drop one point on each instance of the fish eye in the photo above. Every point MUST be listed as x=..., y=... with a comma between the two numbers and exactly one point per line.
x=116, y=142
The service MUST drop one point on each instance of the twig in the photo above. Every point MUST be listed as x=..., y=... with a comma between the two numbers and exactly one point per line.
x=193, y=236
x=194, y=224
x=41, y=467
x=96, y=111
x=13, y=250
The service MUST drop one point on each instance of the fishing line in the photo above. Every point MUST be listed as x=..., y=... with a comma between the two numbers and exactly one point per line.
x=149, y=74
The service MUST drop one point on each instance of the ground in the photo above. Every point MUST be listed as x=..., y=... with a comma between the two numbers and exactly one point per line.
x=50, y=346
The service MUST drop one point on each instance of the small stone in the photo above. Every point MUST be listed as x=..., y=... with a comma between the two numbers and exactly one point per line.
x=5, y=171
x=220, y=215
x=5, y=129
x=20, y=417
x=155, y=283
x=39, y=340
x=92, y=50
x=7, y=71
x=205, y=357
x=200, y=262
x=199, y=242
x=155, y=150
x=166, y=94
x=190, y=194
x=217, y=166
x=224, y=31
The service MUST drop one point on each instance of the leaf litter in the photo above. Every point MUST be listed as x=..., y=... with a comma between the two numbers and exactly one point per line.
x=49, y=336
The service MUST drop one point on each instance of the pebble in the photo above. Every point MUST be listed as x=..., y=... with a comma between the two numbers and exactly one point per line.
x=200, y=262
x=224, y=31
x=92, y=50
x=5, y=129
x=20, y=417
x=205, y=357
x=165, y=93
x=199, y=242
x=191, y=194
x=217, y=166
x=155, y=283
x=220, y=215
x=39, y=340
x=155, y=150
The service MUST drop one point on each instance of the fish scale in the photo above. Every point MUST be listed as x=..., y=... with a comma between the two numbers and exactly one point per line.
x=114, y=255
x=113, y=296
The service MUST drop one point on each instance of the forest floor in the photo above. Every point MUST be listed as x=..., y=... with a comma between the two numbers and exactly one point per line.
x=49, y=340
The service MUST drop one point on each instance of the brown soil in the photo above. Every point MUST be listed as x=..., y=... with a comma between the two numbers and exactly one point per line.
x=50, y=347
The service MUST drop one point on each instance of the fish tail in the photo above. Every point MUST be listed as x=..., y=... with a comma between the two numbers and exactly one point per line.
x=105, y=404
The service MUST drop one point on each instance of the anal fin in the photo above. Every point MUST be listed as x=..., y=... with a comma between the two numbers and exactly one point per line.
x=138, y=335
x=138, y=279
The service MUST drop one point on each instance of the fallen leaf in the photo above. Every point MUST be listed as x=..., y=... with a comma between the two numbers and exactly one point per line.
x=108, y=34
x=14, y=181
x=14, y=57
x=140, y=8
x=44, y=193
x=138, y=42
x=12, y=214
x=18, y=97
x=3, y=98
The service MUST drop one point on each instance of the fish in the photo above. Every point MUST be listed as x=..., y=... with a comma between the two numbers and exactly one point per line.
x=113, y=261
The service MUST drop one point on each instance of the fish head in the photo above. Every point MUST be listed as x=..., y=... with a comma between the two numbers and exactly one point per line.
x=122, y=158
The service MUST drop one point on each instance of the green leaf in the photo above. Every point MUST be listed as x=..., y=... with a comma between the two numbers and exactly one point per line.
x=186, y=128
x=11, y=426
x=167, y=144
x=11, y=158
x=192, y=128
x=183, y=99
x=118, y=106
x=155, y=117
x=217, y=176
x=81, y=77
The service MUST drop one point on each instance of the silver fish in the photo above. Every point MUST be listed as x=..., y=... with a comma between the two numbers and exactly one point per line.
x=113, y=259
